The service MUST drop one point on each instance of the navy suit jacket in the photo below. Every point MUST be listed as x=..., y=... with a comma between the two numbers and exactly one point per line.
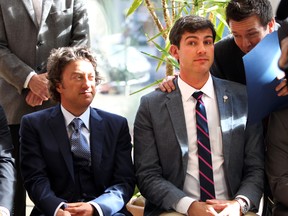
x=47, y=163
x=161, y=147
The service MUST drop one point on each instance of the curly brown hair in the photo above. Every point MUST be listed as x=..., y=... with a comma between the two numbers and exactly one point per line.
x=57, y=62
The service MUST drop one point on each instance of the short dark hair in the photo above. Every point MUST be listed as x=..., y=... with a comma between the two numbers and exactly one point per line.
x=189, y=23
x=59, y=59
x=239, y=10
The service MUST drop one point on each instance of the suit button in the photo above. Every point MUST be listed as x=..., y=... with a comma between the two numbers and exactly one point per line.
x=40, y=43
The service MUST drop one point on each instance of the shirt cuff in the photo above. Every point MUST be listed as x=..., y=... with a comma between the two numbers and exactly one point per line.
x=246, y=199
x=28, y=78
x=58, y=207
x=98, y=208
x=183, y=205
x=4, y=211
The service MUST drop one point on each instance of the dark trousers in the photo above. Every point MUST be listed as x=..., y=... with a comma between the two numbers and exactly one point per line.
x=19, y=208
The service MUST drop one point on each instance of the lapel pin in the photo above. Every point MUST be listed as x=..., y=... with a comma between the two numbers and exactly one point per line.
x=225, y=98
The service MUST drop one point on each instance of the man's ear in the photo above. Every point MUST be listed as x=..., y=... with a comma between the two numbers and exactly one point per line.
x=271, y=25
x=59, y=87
x=174, y=51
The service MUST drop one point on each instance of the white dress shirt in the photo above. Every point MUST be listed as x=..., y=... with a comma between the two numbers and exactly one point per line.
x=191, y=184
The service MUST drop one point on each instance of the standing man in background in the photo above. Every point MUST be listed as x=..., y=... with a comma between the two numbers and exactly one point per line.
x=29, y=30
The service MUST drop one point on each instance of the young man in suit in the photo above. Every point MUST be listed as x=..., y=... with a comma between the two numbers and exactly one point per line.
x=7, y=169
x=29, y=30
x=167, y=142
x=91, y=175
x=249, y=21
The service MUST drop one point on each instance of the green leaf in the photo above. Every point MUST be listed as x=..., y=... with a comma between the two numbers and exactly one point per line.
x=134, y=7
x=148, y=86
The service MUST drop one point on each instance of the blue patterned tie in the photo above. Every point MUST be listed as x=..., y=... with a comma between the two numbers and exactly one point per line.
x=79, y=144
x=207, y=190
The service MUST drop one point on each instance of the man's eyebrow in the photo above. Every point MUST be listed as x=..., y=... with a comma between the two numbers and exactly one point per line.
x=248, y=30
x=196, y=37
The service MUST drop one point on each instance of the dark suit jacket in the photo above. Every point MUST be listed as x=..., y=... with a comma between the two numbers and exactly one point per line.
x=25, y=45
x=161, y=149
x=277, y=159
x=228, y=63
x=47, y=164
x=7, y=169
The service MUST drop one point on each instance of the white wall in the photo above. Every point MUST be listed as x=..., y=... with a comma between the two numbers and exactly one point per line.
x=274, y=5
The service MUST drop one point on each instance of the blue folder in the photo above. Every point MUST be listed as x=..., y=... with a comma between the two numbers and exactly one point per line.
x=261, y=68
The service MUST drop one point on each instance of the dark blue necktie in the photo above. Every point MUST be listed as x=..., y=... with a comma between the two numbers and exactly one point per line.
x=79, y=144
x=207, y=190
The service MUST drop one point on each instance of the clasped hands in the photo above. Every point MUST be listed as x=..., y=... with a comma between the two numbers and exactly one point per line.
x=76, y=209
x=215, y=207
x=38, y=92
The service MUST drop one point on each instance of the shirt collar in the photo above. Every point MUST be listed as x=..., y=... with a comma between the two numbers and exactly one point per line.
x=187, y=90
x=68, y=117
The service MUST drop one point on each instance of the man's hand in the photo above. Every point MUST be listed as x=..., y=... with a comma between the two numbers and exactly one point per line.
x=33, y=99
x=80, y=209
x=282, y=89
x=225, y=207
x=201, y=208
x=167, y=84
x=38, y=84
x=283, y=60
x=62, y=212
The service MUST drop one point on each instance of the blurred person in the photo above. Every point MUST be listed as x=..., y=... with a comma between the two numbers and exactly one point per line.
x=283, y=60
x=171, y=146
x=276, y=165
x=28, y=32
x=277, y=151
x=276, y=161
x=7, y=169
x=94, y=176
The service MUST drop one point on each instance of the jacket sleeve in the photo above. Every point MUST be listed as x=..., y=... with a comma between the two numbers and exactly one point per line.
x=120, y=186
x=7, y=169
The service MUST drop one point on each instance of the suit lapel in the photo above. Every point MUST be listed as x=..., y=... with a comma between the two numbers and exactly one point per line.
x=96, y=138
x=58, y=128
x=29, y=7
x=47, y=4
x=176, y=113
x=225, y=105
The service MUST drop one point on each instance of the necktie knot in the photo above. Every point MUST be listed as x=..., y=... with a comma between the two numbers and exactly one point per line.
x=77, y=124
x=197, y=95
